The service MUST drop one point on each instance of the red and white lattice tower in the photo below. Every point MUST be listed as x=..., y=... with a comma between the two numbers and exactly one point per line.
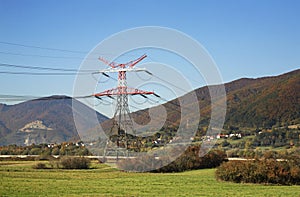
x=122, y=123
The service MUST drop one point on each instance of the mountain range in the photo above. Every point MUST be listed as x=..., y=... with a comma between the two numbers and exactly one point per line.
x=44, y=120
x=254, y=103
x=264, y=102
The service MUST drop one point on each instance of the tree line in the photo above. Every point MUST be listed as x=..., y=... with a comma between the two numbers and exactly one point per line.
x=65, y=148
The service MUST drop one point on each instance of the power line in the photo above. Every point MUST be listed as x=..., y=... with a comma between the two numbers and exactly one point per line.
x=55, y=57
x=42, y=74
x=140, y=111
x=44, y=68
x=198, y=82
x=39, y=98
x=44, y=48
x=156, y=95
x=64, y=97
x=49, y=49
x=64, y=71
x=30, y=97
x=104, y=74
x=47, y=56
x=43, y=56
x=76, y=72
x=151, y=74
x=36, y=98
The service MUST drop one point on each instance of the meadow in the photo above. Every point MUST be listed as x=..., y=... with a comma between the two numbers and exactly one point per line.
x=18, y=178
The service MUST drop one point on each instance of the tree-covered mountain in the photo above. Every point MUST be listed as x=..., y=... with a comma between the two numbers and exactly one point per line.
x=44, y=120
x=264, y=102
x=255, y=103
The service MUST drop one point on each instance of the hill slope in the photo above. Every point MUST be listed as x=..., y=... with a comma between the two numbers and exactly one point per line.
x=45, y=120
x=262, y=102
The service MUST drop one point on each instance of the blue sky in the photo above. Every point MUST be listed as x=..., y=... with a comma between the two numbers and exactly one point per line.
x=245, y=38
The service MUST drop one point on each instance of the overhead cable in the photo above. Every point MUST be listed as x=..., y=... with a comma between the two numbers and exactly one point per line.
x=44, y=48
x=43, y=68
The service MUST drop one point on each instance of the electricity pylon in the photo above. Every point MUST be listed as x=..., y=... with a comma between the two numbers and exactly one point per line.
x=122, y=123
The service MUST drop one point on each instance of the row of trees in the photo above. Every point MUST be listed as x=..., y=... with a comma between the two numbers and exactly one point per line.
x=189, y=160
x=277, y=138
x=65, y=162
x=46, y=149
x=280, y=138
x=269, y=170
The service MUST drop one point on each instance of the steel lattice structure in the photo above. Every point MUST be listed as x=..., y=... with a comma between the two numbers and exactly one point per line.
x=122, y=122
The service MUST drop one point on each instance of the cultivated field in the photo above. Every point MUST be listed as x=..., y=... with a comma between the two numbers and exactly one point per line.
x=19, y=179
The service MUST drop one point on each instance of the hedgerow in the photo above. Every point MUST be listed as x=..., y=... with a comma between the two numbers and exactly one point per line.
x=75, y=163
x=267, y=171
x=67, y=162
x=189, y=160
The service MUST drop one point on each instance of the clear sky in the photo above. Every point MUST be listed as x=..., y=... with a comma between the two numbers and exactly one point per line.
x=246, y=38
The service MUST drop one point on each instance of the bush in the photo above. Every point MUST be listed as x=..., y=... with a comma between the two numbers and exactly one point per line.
x=17, y=159
x=189, y=160
x=269, y=171
x=54, y=163
x=141, y=164
x=40, y=166
x=44, y=158
x=75, y=163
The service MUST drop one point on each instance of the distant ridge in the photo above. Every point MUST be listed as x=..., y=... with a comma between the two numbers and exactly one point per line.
x=264, y=102
x=254, y=103
x=261, y=102
x=54, y=112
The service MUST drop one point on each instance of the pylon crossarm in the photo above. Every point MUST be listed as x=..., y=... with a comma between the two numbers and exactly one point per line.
x=122, y=90
x=134, y=62
x=115, y=70
x=130, y=64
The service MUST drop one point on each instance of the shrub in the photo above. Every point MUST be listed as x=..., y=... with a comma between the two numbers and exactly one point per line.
x=270, y=171
x=40, y=166
x=54, y=162
x=189, y=160
x=141, y=164
x=75, y=163
x=44, y=158
x=29, y=158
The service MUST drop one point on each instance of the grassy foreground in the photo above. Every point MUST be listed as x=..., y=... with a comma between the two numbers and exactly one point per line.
x=19, y=179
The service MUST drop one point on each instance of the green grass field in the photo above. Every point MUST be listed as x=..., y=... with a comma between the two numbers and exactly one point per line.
x=19, y=179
